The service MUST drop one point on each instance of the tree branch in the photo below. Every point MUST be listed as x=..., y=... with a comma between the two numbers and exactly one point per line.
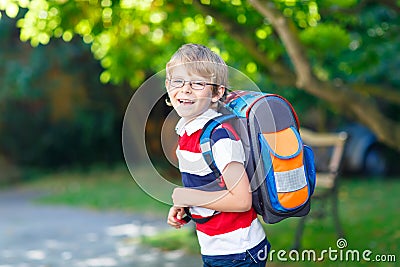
x=293, y=46
x=387, y=94
x=361, y=106
x=282, y=76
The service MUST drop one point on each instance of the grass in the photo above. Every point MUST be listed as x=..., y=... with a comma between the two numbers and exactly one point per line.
x=369, y=215
x=369, y=212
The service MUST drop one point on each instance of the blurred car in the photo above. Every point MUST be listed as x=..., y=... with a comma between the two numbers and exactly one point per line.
x=364, y=154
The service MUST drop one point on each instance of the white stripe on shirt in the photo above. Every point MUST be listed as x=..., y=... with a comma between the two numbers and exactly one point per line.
x=192, y=162
x=237, y=241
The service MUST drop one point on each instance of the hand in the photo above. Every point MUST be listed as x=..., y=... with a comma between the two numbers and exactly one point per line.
x=175, y=216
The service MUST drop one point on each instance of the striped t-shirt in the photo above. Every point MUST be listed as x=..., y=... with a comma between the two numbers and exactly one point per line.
x=227, y=234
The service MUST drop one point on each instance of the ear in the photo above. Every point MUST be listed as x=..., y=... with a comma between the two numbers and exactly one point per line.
x=220, y=93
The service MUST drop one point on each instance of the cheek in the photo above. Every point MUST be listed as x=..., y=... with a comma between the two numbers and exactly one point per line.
x=205, y=95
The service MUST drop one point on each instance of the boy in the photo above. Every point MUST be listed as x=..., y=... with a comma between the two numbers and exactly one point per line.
x=196, y=82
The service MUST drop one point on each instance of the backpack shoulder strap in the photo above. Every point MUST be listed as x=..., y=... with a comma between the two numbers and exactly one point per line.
x=205, y=140
x=205, y=145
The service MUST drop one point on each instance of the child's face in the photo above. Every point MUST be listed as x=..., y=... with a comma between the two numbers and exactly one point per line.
x=187, y=102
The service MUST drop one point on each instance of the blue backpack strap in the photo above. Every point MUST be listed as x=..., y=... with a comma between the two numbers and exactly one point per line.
x=205, y=141
x=205, y=145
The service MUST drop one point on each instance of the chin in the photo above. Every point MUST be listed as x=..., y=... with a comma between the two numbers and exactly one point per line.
x=186, y=115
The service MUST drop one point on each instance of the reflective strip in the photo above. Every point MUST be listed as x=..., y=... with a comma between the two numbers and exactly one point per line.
x=290, y=181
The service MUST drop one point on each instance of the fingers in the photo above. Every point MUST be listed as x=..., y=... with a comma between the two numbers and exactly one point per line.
x=181, y=213
x=175, y=224
x=174, y=217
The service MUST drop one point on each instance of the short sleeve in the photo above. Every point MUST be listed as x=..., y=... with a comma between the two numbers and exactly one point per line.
x=226, y=148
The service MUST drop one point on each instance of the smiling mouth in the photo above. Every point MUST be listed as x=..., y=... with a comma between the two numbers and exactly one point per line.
x=185, y=101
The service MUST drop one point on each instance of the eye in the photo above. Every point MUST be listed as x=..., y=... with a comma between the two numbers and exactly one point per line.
x=198, y=84
x=177, y=82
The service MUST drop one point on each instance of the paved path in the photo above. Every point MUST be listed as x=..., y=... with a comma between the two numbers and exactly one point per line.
x=56, y=236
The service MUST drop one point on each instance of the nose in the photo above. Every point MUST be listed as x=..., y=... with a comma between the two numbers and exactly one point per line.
x=186, y=88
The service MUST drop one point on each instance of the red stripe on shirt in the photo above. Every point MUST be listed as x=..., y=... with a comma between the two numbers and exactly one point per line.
x=190, y=143
x=219, y=223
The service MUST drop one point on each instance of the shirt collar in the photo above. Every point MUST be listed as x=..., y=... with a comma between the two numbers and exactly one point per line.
x=193, y=125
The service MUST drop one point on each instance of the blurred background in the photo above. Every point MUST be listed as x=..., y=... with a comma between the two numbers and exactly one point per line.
x=69, y=68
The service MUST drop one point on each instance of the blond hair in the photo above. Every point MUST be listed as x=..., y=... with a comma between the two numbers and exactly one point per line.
x=200, y=60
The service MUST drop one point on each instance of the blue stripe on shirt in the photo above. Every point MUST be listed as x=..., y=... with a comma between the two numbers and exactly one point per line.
x=221, y=133
x=206, y=183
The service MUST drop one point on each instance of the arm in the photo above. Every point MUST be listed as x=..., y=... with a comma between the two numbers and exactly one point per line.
x=237, y=197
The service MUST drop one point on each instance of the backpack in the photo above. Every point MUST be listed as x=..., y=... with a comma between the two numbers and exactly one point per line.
x=280, y=167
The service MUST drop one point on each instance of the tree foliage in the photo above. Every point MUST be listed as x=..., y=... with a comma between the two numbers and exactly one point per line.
x=342, y=53
x=54, y=110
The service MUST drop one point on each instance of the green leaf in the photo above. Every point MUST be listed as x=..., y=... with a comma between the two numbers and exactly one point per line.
x=326, y=38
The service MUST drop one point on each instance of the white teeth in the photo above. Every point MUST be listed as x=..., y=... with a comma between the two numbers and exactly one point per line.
x=186, y=101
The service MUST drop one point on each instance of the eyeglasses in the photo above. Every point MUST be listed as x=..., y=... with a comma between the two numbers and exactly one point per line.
x=195, y=85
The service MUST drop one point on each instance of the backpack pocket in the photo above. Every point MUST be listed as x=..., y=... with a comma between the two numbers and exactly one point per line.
x=286, y=175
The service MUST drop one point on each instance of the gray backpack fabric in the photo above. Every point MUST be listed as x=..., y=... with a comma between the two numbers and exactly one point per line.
x=280, y=167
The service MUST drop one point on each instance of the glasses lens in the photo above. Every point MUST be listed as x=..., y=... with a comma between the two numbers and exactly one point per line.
x=176, y=83
x=198, y=85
